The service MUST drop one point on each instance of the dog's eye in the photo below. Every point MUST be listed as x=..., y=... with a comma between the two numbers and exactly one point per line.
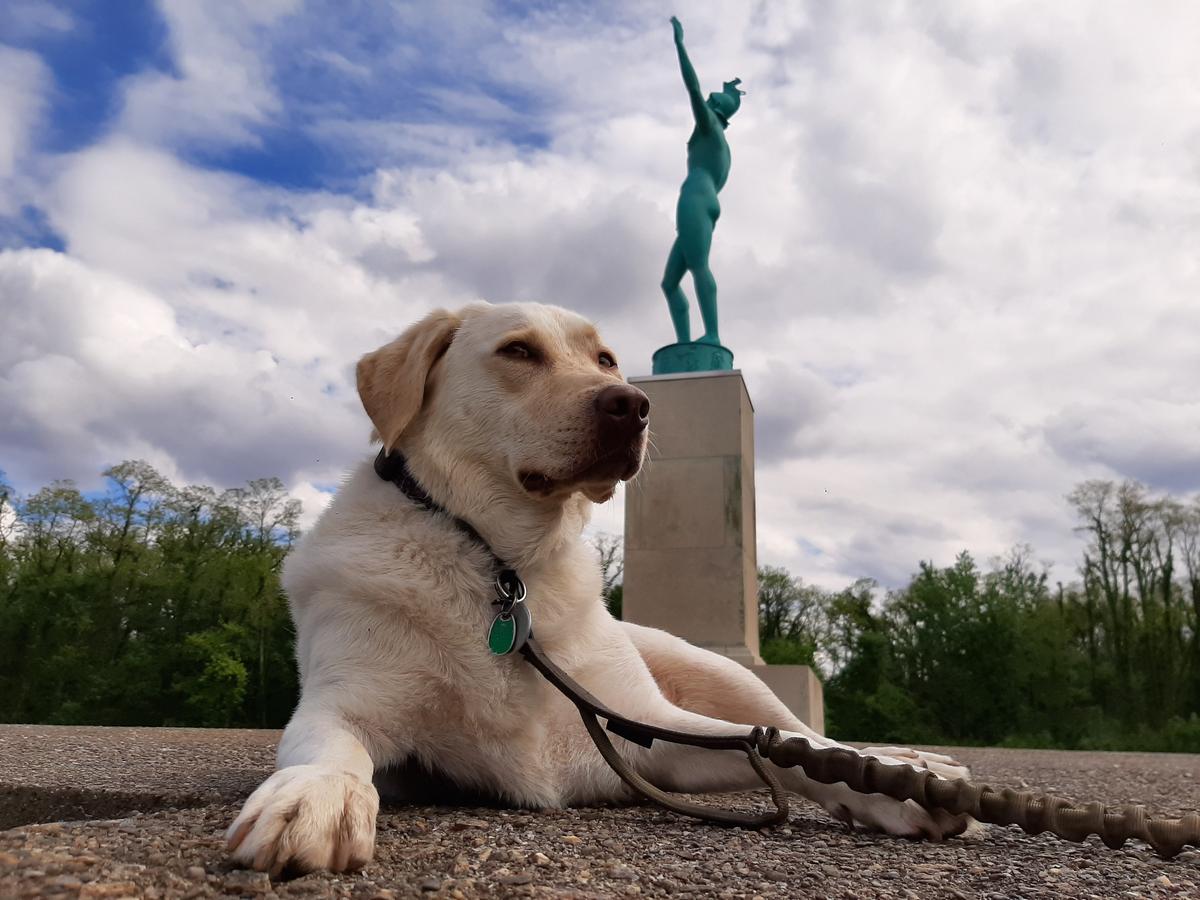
x=607, y=361
x=517, y=350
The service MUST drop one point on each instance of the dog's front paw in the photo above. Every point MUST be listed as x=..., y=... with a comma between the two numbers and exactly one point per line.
x=876, y=812
x=305, y=818
x=939, y=764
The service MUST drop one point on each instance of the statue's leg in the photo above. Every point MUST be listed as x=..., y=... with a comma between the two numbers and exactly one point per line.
x=676, y=300
x=696, y=240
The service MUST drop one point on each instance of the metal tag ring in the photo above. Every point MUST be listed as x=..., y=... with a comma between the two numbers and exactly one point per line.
x=509, y=587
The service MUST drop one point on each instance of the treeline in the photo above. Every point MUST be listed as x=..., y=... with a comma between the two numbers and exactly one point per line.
x=146, y=604
x=967, y=656
x=152, y=604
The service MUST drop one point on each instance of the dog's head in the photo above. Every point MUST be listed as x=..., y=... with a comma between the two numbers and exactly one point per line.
x=526, y=395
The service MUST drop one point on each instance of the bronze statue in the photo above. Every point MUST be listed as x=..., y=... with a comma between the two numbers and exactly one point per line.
x=698, y=209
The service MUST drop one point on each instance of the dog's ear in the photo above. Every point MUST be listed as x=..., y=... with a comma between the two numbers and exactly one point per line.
x=391, y=380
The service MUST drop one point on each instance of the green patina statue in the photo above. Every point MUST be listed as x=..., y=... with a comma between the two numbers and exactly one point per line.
x=695, y=218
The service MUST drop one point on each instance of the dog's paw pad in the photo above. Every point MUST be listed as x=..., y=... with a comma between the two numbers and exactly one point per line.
x=305, y=818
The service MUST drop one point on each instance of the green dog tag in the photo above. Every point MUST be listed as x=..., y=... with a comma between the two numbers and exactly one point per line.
x=510, y=632
x=502, y=635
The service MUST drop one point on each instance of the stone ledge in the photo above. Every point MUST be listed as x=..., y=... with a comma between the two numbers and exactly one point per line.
x=49, y=773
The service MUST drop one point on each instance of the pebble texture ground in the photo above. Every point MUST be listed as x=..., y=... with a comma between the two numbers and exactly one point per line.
x=140, y=813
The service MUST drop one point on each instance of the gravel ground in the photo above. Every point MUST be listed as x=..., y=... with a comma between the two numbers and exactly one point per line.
x=166, y=796
x=50, y=773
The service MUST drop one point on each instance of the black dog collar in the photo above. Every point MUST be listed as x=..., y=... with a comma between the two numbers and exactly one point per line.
x=513, y=624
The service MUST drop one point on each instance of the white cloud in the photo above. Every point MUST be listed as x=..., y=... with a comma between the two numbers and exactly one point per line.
x=956, y=255
x=313, y=500
x=222, y=87
x=24, y=81
x=94, y=369
x=29, y=18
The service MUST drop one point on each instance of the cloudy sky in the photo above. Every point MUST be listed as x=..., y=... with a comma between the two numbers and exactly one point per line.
x=959, y=254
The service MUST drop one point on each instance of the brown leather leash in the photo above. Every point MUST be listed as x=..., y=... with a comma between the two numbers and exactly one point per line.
x=591, y=710
x=1034, y=812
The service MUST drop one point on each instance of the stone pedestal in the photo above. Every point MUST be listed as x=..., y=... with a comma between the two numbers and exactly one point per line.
x=800, y=690
x=690, y=561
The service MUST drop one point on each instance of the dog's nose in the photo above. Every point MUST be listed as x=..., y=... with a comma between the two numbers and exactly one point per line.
x=623, y=410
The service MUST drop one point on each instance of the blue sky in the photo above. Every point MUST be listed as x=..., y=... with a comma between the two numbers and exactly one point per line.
x=956, y=254
x=318, y=72
x=89, y=51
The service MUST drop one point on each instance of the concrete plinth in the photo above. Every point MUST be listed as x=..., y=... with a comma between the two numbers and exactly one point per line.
x=690, y=561
x=689, y=516
x=800, y=690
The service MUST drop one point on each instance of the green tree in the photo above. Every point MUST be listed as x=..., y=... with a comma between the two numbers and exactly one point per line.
x=146, y=604
x=863, y=696
x=149, y=603
x=610, y=550
x=790, y=618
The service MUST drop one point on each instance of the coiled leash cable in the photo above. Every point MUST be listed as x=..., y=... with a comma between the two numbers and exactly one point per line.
x=1034, y=812
x=511, y=632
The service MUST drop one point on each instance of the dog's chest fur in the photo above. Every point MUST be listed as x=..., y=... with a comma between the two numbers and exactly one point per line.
x=392, y=606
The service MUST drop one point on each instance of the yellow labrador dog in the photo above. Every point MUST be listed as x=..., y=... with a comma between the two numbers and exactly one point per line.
x=514, y=419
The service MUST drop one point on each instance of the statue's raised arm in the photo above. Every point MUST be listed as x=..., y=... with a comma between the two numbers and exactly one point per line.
x=695, y=218
x=700, y=111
